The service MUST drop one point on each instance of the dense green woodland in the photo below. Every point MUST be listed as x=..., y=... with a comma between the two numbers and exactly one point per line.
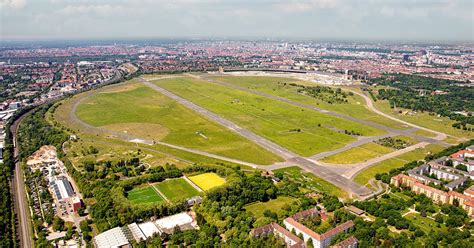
x=417, y=93
x=7, y=228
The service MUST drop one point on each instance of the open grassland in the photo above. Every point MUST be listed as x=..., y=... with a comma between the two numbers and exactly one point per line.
x=144, y=195
x=175, y=189
x=358, y=154
x=311, y=181
x=110, y=148
x=441, y=124
x=385, y=166
x=156, y=155
x=281, y=87
x=274, y=205
x=303, y=131
x=136, y=110
x=424, y=223
x=207, y=181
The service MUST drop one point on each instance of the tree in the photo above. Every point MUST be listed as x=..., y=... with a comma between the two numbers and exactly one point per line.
x=439, y=218
x=309, y=243
x=58, y=224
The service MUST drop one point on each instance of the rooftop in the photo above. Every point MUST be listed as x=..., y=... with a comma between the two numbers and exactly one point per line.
x=114, y=237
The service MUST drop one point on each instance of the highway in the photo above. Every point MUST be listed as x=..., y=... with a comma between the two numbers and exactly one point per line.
x=288, y=155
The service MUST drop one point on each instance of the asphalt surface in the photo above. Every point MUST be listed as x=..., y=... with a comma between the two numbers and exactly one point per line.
x=24, y=229
x=304, y=163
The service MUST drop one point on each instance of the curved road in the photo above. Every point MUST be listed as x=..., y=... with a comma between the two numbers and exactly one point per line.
x=439, y=135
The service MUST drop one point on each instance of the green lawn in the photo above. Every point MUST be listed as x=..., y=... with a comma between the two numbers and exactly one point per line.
x=358, y=154
x=293, y=127
x=424, y=223
x=137, y=110
x=385, y=166
x=175, y=189
x=274, y=205
x=312, y=182
x=276, y=86
x=144, y=195
x=207, y=181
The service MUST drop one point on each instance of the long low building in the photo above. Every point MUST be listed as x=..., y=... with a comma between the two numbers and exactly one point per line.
x=62, y=188
x=438, y=196
x=117, y=237
x=124, y=236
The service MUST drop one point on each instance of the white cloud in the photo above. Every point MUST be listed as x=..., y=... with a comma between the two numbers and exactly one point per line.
x=12, y=4
x=105, y=9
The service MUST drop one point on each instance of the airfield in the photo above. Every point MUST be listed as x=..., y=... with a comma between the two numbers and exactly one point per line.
x=265, y=122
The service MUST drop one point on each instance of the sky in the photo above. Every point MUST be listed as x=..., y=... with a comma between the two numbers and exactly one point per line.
x=378, y=20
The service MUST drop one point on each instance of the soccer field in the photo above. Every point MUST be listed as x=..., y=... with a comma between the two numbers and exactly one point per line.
x=144, y=195
x=207, y=181
x=175, y=189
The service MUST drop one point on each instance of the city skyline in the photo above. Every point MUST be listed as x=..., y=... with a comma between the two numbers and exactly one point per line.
x=445, y=21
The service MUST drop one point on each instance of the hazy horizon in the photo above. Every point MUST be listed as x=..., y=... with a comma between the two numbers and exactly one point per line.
x=319, y=20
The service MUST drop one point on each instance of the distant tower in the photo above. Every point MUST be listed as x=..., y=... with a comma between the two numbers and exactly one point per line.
x=346, y=74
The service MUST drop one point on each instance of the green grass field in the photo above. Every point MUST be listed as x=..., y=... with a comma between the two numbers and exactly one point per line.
x=358, y=154
x=312, y=182
x=175, y=189
x=274, y=205
x=424, y=223
x=207, y=181
x=385, y=166
x=275, y=86
x=137, y=110
x=144, y=195
x=272, y=119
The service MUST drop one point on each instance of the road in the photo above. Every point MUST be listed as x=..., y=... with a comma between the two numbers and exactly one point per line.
x=24, y=229
x=439, y=135
x=288, y=155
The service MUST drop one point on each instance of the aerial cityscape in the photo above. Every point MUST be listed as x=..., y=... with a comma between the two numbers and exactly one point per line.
x=236, y=123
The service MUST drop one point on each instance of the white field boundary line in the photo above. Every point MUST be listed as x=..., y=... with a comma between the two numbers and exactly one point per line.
x=159, y=193
x=193, y=184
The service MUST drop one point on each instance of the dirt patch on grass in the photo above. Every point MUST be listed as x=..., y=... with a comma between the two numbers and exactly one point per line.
x=142, y=130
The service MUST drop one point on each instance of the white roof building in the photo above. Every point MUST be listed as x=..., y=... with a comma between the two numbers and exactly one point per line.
x=149, y=229
x=113, y=238
x=136, y=232
x=180, y=220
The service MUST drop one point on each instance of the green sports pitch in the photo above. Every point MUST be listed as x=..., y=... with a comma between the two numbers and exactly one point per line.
x=175, y=189
x=144, y=195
